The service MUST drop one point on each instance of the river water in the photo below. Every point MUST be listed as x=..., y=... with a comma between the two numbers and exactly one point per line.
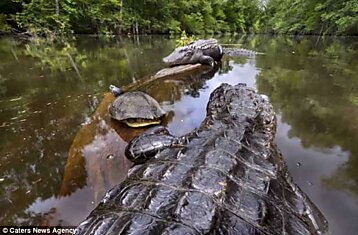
x=59, y=151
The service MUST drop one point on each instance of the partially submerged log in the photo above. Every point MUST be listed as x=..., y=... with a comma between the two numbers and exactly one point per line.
x=166, y=73
x=96, y=156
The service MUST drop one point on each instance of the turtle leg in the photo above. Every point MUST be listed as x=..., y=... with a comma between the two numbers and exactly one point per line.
x=148, y=144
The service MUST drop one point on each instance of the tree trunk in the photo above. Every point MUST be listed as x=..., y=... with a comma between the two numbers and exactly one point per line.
x=57, y=7
x=120, y=18
x=136, y=27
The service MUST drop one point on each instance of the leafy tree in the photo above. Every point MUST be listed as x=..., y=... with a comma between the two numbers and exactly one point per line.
x=311, y=16
x=40, y=17
x=63, y=17
x=93, y=16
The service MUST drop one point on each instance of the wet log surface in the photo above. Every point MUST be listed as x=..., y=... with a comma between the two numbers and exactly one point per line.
x=96, y=154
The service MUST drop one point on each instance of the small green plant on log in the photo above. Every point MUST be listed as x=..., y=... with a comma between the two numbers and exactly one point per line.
x=185, y=39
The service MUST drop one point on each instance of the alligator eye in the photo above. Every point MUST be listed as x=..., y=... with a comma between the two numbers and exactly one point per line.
x=110, y=156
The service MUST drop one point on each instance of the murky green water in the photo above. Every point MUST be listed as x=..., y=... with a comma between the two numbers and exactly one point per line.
x=59, y=151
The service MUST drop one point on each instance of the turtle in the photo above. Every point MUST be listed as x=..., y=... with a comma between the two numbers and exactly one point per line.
x=135, y=108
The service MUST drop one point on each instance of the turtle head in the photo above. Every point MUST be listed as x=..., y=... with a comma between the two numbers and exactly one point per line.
x=116, y=91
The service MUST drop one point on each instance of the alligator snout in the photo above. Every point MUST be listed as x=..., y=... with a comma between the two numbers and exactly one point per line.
x=178, y=56
x=166, y=60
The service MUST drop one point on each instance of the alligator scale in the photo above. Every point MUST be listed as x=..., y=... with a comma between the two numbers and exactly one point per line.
x=225, y=177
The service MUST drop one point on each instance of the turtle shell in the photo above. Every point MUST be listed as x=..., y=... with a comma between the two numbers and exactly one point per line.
x=135, y=105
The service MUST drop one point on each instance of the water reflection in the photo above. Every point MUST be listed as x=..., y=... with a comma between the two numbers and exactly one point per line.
x=318, y=100
x=315, y=89
x=41, y=110
x=60, y=151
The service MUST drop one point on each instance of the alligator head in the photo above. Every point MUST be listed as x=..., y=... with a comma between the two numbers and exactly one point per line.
x=187, y=55
x=201, y=51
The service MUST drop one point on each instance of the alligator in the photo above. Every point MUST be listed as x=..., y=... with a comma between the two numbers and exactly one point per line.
x=225, y=177
x=200, y=51
x=230, y=51
x=204, y=52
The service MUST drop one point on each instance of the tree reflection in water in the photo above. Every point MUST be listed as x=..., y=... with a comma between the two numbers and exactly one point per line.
x=316, y=92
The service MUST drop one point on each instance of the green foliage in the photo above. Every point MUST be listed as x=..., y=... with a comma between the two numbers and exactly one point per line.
x=185, y=39
x=64, y=17
x=41, y=18
x=174, y=27
x=216, y=16
x=242, y=14
x=312, y=16
x=3, y=24
x=94, y=16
